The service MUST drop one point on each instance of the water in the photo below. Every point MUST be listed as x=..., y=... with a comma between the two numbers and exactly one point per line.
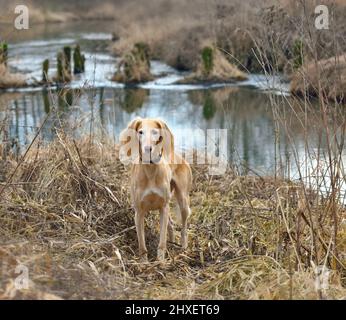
x=93, y=100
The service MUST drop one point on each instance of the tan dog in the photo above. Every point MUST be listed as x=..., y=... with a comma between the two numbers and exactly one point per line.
x=156, y=174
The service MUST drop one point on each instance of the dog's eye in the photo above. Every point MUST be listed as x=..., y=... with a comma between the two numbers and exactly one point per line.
x=140, y=132
x=154, y=132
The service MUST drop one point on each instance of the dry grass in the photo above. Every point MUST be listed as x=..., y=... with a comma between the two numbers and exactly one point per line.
x=221, y=71
x=65, y=214
x=65, y=211
x=10, y=80
x=134, y=67
x=330, y=74
x=247, y=30
x=60, y=12
x=174, y=31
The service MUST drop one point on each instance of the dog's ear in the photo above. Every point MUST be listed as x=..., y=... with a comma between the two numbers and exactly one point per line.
x=168, y=139
x=125, y=135
x=135, y=123
x=129, y=140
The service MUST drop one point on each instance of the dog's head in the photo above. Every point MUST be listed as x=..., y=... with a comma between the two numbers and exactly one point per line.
x=147, y=141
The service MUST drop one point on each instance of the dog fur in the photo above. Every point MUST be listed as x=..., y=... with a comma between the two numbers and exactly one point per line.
x=158, y=175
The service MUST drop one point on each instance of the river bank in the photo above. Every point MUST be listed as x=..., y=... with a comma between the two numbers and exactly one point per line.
x=267, y=37
x=65, y=214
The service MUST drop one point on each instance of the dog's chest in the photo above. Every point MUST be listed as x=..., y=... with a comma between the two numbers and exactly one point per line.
x=153, y=199
x=154, y=192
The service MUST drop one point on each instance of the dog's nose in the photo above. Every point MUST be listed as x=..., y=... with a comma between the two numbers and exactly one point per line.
x=148, y=149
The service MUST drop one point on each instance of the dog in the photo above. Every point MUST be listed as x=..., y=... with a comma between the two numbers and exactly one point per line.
x=157, y=174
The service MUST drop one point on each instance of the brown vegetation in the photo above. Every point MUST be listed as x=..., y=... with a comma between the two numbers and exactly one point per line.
x=67, y=11
x=329, y=74
x=10, y=80
x=65, y=214
x=214, y=67
x=65, y=211
x=134, y=67
x=257, y=35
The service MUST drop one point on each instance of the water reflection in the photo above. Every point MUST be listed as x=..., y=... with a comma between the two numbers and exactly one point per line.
x=255, y=140
x=133, y=99
x=244, y=112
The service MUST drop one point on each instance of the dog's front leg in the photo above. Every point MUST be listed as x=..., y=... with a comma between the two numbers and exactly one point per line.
x=164, y=216
x=139, y=220
x=170, y=230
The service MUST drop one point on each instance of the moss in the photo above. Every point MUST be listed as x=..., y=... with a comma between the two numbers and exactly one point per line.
x=78, y=61
x=298, y=56
x=207, y=60
x=3, y=53
x=209, y=107
x=63, y=68
x=45, y=68
x=60, y=67
x=67, y=57
x=142, y=52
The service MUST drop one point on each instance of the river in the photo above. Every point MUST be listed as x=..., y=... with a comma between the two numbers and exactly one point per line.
x=93, y=102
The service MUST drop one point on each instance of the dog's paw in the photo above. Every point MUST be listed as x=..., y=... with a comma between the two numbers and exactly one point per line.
x=143, y=258
x=184, y=240
x=171, y=236
x=161, y=254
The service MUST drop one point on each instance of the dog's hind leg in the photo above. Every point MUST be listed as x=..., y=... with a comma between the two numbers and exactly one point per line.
x=170, y=230
x=183, y=202
x=139, y=220
x=164, y=217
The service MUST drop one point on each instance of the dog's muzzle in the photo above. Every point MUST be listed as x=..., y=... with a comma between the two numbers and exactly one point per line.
x=148, y=158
